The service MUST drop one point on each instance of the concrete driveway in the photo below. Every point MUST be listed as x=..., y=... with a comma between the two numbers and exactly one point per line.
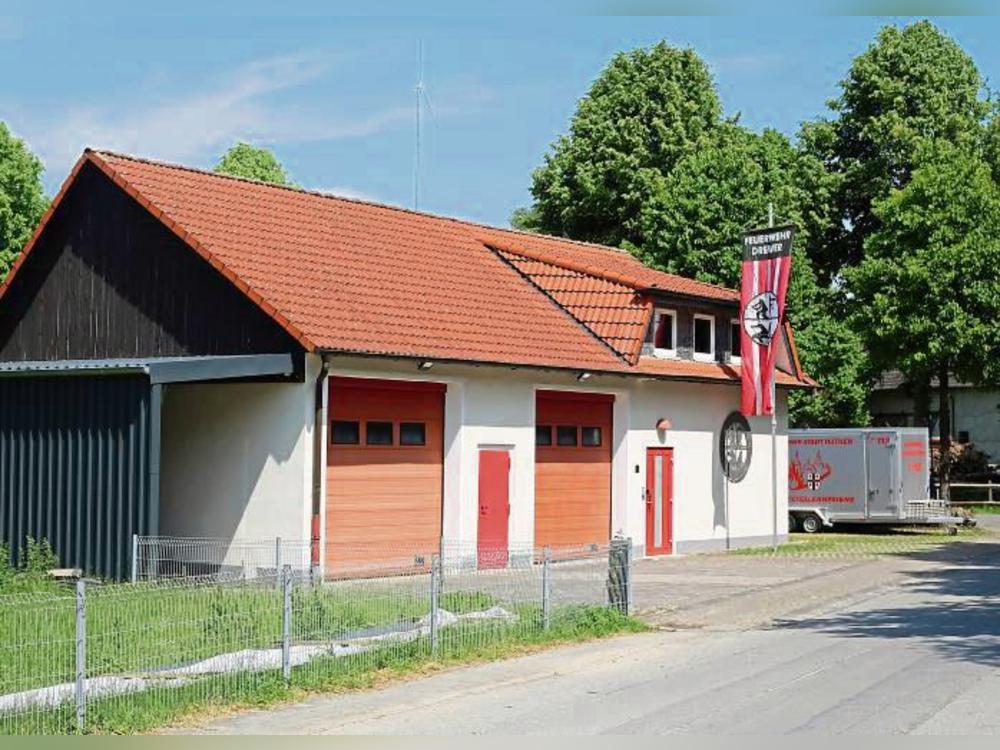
x=750, y=645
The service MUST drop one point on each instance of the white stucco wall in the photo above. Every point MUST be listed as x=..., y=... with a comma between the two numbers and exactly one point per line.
x=490, y=407
x=974, y=410
x=237, y=459
x=701, y=521
x=978, y=412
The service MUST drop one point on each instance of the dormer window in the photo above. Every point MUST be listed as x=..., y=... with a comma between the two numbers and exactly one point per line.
x=665, y=333
x=704, y=338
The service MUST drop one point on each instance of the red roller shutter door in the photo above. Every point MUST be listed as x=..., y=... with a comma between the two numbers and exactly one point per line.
x=384, y=471
x=572, y=476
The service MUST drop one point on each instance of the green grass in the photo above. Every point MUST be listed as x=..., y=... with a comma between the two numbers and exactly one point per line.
x=135, y=629
x=990, y=510
x=866, y=543
x=468, y=641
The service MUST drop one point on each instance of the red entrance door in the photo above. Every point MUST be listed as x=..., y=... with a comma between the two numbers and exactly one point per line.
x=494, y=508
x=659, y=500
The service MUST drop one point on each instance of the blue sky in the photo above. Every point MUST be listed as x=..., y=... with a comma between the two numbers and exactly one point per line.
x=333, y=97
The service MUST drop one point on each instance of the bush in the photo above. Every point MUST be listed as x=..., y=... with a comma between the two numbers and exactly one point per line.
x=37, y=559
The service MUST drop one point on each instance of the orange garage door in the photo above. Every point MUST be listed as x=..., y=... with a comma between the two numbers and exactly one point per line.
x=384, y=472
x=572, y=468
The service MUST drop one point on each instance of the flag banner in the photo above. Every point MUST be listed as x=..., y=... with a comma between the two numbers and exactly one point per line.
x=767, y=259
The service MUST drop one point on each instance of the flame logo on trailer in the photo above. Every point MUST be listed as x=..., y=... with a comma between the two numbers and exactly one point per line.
x=808, y=474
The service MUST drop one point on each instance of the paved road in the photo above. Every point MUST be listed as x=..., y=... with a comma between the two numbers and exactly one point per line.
x=919, y=655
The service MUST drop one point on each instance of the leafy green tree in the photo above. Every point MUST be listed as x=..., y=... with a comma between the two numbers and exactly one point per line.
x=253, y=162
x=695, y=228
x=650, y=165
x=645, y=111
x=926, y=295
x=22, y=199
x=913, y=83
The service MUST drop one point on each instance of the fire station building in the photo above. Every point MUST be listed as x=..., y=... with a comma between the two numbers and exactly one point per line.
x=190, y=354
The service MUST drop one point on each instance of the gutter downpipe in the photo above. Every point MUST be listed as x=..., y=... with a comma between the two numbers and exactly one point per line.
x=319, y=423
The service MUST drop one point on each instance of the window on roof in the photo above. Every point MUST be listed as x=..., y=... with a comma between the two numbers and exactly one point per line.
x=664, y=332
x=734, y=339
x=378, y=433
x=704, y=337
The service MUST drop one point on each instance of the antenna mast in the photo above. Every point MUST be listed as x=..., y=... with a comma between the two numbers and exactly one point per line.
x=419, y=90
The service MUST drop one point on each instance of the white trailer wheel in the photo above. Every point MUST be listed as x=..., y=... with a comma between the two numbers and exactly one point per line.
x=811, y=523
x=793, y=523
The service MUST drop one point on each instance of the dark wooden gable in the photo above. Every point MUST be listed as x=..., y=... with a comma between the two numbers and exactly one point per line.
x=107, y=280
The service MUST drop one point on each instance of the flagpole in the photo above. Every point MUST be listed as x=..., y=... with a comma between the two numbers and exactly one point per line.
x=774, y=434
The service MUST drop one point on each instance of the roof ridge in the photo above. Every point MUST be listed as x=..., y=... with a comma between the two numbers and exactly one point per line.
x=468, y=223
x=348, y=199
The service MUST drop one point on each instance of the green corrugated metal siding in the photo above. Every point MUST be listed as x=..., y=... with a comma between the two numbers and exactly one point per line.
x=75, y=467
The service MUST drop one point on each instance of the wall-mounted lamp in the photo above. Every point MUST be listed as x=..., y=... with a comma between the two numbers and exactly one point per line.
x=583, y=376
x=425, y=365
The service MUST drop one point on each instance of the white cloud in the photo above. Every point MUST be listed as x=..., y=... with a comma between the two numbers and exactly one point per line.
x=193, y=127
x=345, y=191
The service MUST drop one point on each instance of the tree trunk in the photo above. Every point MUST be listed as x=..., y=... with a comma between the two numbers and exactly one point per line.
x=921, y=401
x=944, y=431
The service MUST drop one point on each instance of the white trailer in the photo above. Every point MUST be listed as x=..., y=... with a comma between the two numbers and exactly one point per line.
x=861, y=475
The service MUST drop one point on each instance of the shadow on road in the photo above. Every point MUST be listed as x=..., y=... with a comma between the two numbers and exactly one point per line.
x=953, y=608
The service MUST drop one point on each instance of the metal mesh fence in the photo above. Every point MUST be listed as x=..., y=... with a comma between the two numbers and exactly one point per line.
x=131, y=656
x=155, y=557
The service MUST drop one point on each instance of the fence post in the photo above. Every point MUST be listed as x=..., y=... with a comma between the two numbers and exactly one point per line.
x=628, y=576
x=435, y=597
x=546, y=587
x=617, y=584
x=277, y=555
x=80, y=691
x=135, y=558
x=286, y=623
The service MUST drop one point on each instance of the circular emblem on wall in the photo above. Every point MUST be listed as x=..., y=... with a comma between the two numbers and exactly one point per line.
x=735, y=446
x=760, y=318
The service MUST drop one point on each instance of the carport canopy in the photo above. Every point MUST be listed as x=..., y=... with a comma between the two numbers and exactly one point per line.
x=162, y=370
x=80, y=449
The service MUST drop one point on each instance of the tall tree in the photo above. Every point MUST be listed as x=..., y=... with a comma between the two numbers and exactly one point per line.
x=650, y=165
x=913, y=83
x=644, y=112
x=22, y=198
x=253, y=162
x=926, y=294
x=694, y=227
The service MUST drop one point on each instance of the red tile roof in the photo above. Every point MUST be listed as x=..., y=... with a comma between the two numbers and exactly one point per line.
x=352, y=276
x=612, y=311
x=692, y=370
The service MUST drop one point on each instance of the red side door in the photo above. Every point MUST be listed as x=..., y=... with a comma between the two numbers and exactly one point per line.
x=494, y=508
x=659, y=500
